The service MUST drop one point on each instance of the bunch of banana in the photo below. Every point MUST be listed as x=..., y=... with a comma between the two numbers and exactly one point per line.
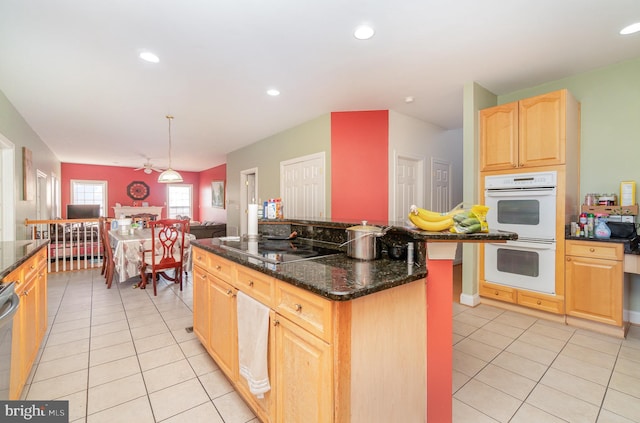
x=431, y=221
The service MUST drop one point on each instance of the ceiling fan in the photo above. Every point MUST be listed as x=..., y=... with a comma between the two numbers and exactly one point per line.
x=148, y=168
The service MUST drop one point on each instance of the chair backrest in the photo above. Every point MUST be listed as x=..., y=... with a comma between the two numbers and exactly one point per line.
x=167, y=242
x=103, y=227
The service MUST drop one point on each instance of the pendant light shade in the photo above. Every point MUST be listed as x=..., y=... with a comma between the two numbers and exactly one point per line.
x=169, y=176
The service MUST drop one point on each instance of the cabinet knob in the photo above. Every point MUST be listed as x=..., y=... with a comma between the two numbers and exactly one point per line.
x=568, y=258
x=538, y=302
x=251, y=283
x=276, y=322
x=591, y=250
x=496, y=293
x=32, y=267
x=298, y=307
x=199, y=258
x=218, y=267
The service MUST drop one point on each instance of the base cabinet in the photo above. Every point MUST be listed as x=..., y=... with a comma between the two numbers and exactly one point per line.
x=30, y=321
x=312, y=372
x=543, y=302
x=595, y=281
x=303, y=374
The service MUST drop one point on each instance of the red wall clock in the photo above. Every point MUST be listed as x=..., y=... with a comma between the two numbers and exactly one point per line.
x=138, y=190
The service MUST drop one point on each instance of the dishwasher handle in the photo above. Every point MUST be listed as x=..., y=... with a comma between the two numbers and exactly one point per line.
x=8, y=296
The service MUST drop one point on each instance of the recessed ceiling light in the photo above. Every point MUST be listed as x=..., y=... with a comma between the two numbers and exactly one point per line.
x=363, y=32
x=408, y=99
x=273, y=92
x=631, y=29
x=147, y=56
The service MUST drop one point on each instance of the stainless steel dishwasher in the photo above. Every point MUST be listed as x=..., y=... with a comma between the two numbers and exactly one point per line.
x=9, y=303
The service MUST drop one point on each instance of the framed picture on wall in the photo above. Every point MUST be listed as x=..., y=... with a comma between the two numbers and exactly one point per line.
x=217, y=194
x=28, y=175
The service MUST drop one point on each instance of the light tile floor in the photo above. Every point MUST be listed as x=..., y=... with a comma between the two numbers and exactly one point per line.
x=508, y=367
x=123, y=355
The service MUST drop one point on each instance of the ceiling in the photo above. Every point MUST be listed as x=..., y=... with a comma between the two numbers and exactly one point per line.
x=71, y=68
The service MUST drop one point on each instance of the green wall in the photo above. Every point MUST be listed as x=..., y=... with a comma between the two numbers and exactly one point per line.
x=610, y=128
x=310, y=137
x=17, y=131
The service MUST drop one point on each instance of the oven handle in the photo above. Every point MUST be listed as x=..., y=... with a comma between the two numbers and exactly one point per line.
x=533, y=192
x=529, y=245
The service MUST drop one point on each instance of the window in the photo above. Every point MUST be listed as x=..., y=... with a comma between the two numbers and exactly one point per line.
x=179, y=200
x=90, y=192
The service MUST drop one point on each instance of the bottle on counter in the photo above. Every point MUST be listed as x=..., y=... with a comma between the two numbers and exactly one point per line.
x=590, y=224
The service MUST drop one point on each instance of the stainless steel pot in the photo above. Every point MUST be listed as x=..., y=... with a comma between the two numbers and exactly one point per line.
x=362, y=241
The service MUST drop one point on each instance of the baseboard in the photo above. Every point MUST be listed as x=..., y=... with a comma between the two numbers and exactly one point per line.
x=633, y=317
x=469, y=300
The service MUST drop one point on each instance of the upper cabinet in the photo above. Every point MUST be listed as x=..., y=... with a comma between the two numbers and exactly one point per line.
x=537, y=131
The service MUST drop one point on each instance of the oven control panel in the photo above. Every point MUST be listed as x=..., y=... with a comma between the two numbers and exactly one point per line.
x=521, y=180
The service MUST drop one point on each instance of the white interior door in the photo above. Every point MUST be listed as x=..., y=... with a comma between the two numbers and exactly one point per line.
x=42, y=209
x=440, y=185
x=302, y=187
x=409, y=187
x=248, y=195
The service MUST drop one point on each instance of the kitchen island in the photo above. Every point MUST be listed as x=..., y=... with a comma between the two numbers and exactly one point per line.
x=349, y=340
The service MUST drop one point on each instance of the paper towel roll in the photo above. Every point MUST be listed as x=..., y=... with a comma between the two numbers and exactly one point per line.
x=252, y=220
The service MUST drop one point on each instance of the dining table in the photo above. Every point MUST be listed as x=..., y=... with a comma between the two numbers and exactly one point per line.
x=127, y=251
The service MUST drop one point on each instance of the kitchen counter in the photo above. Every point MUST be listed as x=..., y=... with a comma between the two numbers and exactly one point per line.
x=341, y=278
x=15, y=253
x=353, y=285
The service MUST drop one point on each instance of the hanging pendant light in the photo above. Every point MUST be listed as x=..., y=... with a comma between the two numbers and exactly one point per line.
x=169, y=176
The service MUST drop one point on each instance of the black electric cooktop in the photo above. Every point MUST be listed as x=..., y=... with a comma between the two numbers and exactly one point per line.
x=278, y=251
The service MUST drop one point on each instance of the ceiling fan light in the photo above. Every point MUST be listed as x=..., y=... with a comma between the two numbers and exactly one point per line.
x=169, y=176
x=147, y=170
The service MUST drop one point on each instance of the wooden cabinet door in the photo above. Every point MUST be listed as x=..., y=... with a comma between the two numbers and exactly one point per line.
x=542, y=133
x=201, y=307
x=594, y=289
x=303, y=375
x=499, y=137
x=25, y=341
x=223, y=329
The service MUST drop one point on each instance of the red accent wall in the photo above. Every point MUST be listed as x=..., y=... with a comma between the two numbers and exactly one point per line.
x=117, y=180
x=359, y=166
x=208, y=213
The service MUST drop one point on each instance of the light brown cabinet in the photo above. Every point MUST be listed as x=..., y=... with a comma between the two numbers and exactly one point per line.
x=328, y=361
x=537, y=131
x=30, y=321
x=595, y=281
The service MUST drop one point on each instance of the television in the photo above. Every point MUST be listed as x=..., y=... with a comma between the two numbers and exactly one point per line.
x=83, y=211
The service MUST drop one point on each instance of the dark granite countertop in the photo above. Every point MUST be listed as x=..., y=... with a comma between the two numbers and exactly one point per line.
x=341, y=278
x=14, y=253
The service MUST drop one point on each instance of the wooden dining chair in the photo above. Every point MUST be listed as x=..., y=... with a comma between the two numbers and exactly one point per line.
x=167, y=252
x=108, y=265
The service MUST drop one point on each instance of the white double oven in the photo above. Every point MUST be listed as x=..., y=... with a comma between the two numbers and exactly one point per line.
x=524, y=203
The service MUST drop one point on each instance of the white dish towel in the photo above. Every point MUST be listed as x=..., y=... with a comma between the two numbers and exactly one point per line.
x=253, y=339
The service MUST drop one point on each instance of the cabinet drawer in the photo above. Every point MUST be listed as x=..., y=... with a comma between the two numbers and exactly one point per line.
x=305, y=309
x=35, y=264
x=216, y=265
x=603, y=250
x=255, y=284
x=498, y=292
x=552, y=305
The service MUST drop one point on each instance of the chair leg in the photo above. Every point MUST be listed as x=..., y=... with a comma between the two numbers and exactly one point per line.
x=109, y=276
x=155, y=289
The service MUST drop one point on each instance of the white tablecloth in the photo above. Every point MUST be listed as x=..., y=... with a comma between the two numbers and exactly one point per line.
x=127, y=251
